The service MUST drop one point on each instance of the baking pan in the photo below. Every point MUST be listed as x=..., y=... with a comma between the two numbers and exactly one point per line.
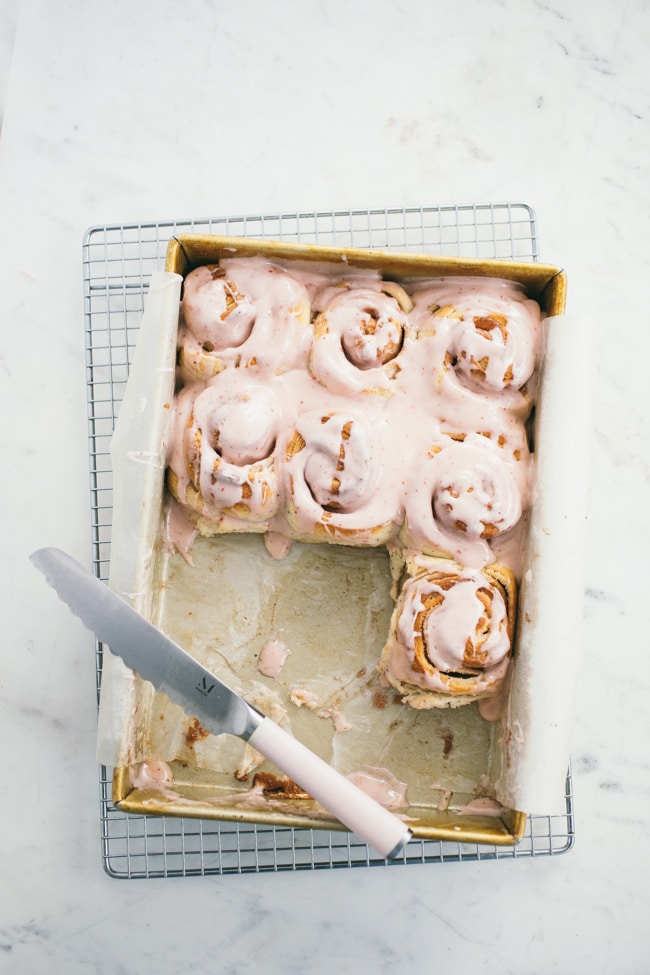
x=331, y=603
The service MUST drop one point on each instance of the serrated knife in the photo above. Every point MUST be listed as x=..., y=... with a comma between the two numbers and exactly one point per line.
x=201, y=694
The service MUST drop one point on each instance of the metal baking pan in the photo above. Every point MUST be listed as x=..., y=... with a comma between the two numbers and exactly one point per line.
x=233, y=598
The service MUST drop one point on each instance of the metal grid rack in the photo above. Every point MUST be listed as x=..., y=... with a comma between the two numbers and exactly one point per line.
x=118, y=261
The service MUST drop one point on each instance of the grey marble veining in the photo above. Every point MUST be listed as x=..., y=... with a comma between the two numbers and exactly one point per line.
x=120, y=112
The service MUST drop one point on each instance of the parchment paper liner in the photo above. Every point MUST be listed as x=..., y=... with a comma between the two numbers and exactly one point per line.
x=446, y=758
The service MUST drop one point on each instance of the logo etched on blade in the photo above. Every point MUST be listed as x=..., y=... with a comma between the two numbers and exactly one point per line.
x=204, y=688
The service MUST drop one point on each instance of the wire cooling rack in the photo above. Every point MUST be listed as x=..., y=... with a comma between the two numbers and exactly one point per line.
x=118, y=261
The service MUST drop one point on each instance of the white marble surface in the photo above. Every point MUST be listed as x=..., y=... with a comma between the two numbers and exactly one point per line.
x=124, y=111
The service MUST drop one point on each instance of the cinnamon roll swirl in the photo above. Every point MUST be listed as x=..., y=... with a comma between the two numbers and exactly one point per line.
x=489, y=328
x=221, y=463
x=214, y=317
x=241, y=313
x=332, y=473
x=451, y=635
x=358, y=337
x=470, y=492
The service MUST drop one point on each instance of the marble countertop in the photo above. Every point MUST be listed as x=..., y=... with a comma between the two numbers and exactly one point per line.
x=123, y=112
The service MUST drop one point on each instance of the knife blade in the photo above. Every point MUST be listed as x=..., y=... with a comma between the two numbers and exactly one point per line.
x=201, y=694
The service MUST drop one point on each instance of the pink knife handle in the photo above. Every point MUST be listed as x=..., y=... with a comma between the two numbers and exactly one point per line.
x=376, y=825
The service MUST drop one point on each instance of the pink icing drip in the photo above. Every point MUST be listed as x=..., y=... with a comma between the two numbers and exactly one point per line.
x=382, y=786
x=482, y=807
x=446, y=630
x=152, y=775
x=180, y=530
x=272, y=658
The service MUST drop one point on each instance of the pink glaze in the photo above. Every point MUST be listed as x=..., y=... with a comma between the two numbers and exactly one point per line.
x=382, y=786
x=272, y=658
x=337, y=718
x=151, y=775
x=319, y=403
x=242, y=312
x=472, y=493
x=213, y=309
x=494, y=329
x=450, y=633
x=278, y=546
x=357, y=335
x=387, y=441
x=222, y=447
x=444, y=797
x=483, y=806
x=491, y=708
x=180, y=530
x=301, y=697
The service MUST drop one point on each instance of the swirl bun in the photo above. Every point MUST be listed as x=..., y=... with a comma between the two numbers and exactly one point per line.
x=332, y=473
x=491, y=334
x=234, y=314
x=357, y=338
x=451, y=634
x=222, y=463
x=470, y=493
x=215, y=316
x=397, y=418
